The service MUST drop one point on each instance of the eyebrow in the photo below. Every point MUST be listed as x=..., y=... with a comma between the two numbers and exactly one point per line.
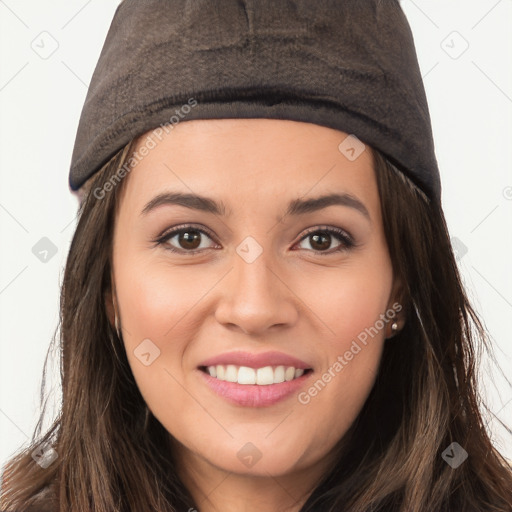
x=295, y=207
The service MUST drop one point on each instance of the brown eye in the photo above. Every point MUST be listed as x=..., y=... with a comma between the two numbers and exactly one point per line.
x=189, y=239
x=321, y=240
x=186, y=240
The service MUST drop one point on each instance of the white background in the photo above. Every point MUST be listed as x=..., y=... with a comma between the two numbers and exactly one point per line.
x=41, y=97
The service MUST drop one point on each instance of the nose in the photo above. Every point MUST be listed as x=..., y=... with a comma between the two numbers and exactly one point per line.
x=256, y=298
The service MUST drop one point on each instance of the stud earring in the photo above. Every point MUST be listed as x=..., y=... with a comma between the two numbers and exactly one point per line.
x=394, y=330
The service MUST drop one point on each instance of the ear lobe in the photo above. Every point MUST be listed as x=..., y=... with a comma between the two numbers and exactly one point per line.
x=396, y=303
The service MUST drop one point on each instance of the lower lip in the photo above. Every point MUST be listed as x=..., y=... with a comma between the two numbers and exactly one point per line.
x=254, y=395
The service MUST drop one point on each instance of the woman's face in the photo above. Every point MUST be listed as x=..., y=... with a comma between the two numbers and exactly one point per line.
x=259, y=271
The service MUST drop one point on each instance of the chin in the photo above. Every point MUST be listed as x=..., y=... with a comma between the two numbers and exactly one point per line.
x=258, y=457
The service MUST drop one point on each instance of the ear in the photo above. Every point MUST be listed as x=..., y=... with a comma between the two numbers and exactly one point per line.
x=396, y=304
x=109, y=302
x=397, y=293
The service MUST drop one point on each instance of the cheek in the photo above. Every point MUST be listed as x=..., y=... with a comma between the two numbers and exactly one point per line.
x=352, y=309
x=156, y=302
x=355, y=298
x=156, y=297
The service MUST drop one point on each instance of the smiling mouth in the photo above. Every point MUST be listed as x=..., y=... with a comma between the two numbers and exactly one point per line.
x=260, y=376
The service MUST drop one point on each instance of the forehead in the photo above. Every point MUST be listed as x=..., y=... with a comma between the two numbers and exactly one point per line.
x=247, y=161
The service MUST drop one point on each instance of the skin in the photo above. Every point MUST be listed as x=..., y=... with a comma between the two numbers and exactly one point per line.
x=292, y=298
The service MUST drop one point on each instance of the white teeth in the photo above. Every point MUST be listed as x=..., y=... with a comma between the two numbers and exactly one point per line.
x=231, y=374
x=289, y=374
x=265, y=376
x=246, y=375
x=279, y=374
x=261, y=376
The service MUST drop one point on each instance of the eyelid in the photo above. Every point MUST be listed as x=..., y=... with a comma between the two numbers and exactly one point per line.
x=176, y=229
x=329, y=229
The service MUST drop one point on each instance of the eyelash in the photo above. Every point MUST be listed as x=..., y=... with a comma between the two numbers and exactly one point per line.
x=347, y=241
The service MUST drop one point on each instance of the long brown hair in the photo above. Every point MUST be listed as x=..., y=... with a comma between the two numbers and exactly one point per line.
x=113, y=455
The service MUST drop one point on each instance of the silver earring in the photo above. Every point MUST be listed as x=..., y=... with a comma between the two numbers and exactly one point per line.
x=394, y=327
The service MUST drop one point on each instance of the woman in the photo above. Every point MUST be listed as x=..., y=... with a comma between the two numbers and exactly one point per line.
x=261, y=309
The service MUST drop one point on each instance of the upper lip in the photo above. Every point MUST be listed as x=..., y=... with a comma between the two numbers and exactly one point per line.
x=259, y=360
